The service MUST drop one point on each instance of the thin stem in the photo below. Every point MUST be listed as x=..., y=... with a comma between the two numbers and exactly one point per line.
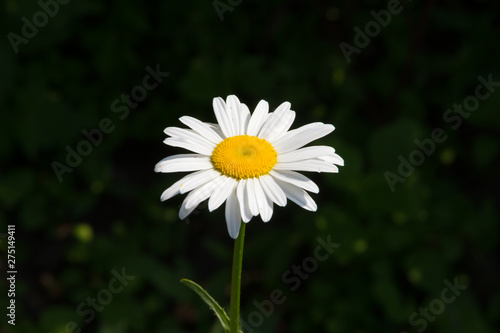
x=234, y=313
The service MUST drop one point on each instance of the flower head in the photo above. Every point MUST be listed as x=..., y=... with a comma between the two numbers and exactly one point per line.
x=247, y=160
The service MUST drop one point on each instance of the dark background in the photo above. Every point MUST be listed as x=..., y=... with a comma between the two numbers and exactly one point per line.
x=396, y=247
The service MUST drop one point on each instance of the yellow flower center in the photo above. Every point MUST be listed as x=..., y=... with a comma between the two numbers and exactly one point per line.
x=244, y=156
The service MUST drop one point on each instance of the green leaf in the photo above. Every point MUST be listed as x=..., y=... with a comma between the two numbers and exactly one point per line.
x=205, y=296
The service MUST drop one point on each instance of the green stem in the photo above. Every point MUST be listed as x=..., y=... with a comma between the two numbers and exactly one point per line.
x=234, y=314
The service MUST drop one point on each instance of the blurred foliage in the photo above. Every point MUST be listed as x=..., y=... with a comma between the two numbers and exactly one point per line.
x=396, y=248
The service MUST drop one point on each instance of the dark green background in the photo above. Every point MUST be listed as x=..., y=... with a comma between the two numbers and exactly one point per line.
x=396, y=248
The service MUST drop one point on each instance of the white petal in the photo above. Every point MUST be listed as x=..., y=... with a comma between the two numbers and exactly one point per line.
x=244, y=119
x=194, y=198
x=264, y=204
x=216, y=129
x=242, y=194
x=201, y=193
x=233, y=111
x=252, y=200
x=278, y=122
x=183, y=211
x=202, y=129
x=335, y=159
x=186, y=135
x=221, y=193
x=222, y=116
x=260, y=197
x=272, y=190
x=233, y=217
x=171, y=191
x=183, y=162
x=284, y=126
x=296, y=179
x=197, y=179
x=258, y=117
x=301, y=136
x=189, y=145
x=175, y=188
x=313, y=165
x=298, y=195
x=306, y=153
x=268, y=212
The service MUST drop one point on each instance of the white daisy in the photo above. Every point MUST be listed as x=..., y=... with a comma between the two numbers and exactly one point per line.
x=246, y=160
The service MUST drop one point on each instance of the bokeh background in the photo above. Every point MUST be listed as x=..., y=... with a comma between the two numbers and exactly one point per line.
x=396, y=247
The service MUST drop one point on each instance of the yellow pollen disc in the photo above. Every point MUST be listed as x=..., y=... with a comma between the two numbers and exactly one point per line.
x=244, y=156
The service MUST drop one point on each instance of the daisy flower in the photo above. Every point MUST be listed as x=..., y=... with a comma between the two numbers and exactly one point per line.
x=247, y=160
